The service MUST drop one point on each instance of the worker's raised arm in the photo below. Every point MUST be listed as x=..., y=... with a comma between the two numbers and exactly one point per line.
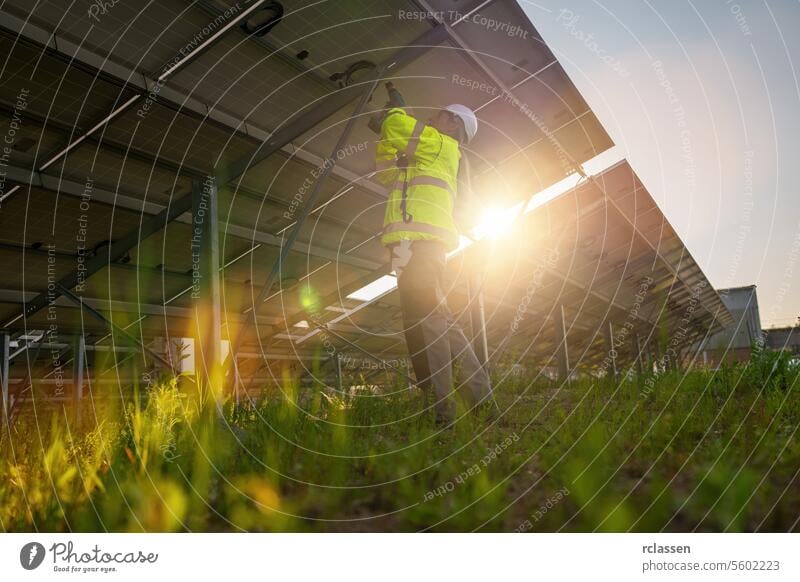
x=397, y=129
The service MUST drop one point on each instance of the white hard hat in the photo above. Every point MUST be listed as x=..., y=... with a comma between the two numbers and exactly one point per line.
x=467, y=117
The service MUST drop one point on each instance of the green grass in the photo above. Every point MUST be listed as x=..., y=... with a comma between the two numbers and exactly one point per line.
x=677, y=452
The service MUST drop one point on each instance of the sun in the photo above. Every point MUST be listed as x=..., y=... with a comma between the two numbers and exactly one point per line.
x=496, y=223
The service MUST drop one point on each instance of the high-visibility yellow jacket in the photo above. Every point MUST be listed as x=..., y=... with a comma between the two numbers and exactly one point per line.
x=430, y=179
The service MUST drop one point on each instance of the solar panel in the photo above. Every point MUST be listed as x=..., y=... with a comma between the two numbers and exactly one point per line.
x=233, y=96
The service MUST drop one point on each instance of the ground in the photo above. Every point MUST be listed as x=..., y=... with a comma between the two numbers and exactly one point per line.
x=678, y=451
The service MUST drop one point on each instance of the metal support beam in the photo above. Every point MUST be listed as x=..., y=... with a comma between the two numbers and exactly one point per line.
x=561, y=344
x=88, y=348
x=126, y=151
x=5, y=352
x=206, y=288
x=116, y=250
x=611, y=350
x=15, y=296
x=136, y=204
x=78, y=363
x=111, y=326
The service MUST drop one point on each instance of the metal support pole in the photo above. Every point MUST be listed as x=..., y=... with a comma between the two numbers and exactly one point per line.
x=339, y=384
x=637, y=352
x=701, y=350
x=561, y=344
x=644, y=358
x=206, y=285
x=78, y=363
x=5, y=361
x=478, y=320
x=656, y=355
x=608, y=334
x=237, y=384
x=685, y=356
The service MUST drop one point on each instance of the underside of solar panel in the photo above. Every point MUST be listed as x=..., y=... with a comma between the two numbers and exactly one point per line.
x=123, y=114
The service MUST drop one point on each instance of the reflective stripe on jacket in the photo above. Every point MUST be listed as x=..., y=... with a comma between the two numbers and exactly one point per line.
x=431, y=180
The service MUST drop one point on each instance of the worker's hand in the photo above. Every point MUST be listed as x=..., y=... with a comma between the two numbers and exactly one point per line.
x=395, y=98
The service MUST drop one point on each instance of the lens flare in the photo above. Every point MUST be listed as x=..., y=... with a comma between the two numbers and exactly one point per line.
x=309, y=298
x=496, y=222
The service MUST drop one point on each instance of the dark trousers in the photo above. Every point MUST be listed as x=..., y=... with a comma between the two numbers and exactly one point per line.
x=435, y=341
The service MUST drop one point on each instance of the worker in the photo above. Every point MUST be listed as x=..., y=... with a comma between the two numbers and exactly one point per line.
x=420, y=162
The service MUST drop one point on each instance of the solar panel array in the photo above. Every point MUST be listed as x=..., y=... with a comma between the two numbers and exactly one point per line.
x=106, y=142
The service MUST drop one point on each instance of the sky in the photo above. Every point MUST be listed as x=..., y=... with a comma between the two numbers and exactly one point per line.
x=703, y=99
